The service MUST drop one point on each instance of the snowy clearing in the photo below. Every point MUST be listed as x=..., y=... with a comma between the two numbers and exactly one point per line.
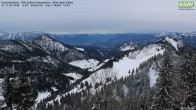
x=84, y=64
x=153, y=75
x=42, y=95
x=76, y=76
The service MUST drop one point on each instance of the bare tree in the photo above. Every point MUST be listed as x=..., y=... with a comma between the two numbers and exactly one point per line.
x=103, y=76
x=102, y=79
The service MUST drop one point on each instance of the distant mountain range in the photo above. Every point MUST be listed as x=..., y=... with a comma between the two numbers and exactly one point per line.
x=102, y=40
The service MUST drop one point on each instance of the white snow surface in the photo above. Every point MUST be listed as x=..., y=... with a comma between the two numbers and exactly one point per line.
x=58, y=98
x=76, y=76
x=81, y=49
x=98, y=65
x=42, y=95
x=76, y=90
x=134, y=59
x=1, y=97
x=128, y=46
x=153, y=75
x=84, y=64
x=54, y=89
x=1, y=80
x=126, y=90
x=50, y=102
x=172, y=42
x=106, y=60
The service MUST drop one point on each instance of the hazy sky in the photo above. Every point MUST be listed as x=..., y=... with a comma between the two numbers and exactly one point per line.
x=101, y=16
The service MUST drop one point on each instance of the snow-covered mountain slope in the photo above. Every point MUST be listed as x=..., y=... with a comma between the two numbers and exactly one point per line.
x=48, y=44
x=21, y=51
x=144, y=60
x=58, y=49
x=135, y=58
x=27, y=36
x=189, y=34
x=176, y=44
x=43, y=51
x=14, y=46
x=85, y=64
x=131, y=60
x=123, y=64
x=129, y=46
x=44, y=60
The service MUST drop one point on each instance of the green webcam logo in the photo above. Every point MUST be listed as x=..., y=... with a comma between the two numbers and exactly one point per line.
x=186, y=5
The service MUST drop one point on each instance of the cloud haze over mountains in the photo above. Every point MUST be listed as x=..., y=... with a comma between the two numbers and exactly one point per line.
x=100, y=16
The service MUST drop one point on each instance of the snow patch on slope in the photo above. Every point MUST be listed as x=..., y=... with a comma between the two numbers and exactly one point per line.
x=98, y=65
x=11, y=46
x=81, y=49
x=76, y=76
x=128, y=46
x=76, y=90
x=172, y=42
x=147, y=51
x=54, y=89
x=1, y=97
x=1, y=80
x=153, y=75
x=84, y=64
x=42, y=95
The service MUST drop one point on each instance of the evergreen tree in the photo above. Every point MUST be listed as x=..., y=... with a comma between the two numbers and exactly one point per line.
x=163, y=98
x=7, y=91
x=187, y=92
x=97, y=104
x=25, y=95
